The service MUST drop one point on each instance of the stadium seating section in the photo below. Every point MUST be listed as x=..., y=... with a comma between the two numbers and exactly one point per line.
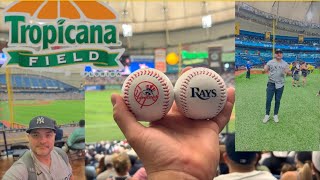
x=253, y=46
x=35, y=82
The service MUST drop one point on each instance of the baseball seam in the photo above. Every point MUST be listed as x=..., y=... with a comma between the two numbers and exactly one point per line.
x=162, y=81
x=185, y=85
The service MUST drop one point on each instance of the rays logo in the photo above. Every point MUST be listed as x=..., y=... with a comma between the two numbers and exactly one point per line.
x=86, y=30
x=203, y=94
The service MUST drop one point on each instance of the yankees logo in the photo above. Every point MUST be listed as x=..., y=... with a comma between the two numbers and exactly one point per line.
x=204, y=94
x=40, y=120
x=146, y=93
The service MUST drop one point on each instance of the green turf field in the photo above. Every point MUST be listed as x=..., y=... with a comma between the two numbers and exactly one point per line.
x=100, y=124
x=64, y=111
x=299, y=115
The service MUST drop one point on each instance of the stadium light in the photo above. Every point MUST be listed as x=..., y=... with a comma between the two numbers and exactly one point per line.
x=126, y=30
x=206, y=21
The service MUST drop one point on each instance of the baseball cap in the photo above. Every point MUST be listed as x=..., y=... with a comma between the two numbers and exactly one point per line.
x=279, y=51
x=316, y=159
x=41, y=122
x=243, y=158
x=280, y=154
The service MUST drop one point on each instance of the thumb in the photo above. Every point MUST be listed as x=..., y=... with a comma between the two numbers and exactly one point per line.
x=124, y=118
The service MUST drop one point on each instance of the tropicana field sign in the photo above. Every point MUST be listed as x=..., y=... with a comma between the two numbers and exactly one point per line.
x=84, y=28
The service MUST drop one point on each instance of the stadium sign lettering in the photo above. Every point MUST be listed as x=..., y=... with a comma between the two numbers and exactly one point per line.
x=25, y=34
x=109, y=74
x=99, y=57
x=203, y=94
x=32, y=44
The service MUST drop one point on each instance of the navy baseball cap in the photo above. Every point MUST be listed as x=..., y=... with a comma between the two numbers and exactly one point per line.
x=278, y=51
x=243, y=158
x=41, y=122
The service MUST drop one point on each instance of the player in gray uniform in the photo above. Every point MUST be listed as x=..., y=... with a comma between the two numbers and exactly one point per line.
x=277, y=69
x=43, y=161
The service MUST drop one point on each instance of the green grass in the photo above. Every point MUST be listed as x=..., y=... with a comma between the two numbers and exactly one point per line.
x=99, y=115
x=63, y=111
x=298, y=128
x=100, y=125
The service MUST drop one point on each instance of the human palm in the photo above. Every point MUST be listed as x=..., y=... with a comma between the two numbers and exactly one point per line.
x=175, y=143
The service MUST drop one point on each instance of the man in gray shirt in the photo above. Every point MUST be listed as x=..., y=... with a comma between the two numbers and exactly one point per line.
x=278, y=69
x=44, y=161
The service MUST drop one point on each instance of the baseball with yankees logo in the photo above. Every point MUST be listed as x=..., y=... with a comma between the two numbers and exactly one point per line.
x=200, y=93
x=148, y=93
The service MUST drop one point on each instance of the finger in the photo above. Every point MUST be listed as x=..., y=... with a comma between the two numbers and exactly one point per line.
x=124, y=118
x=224, y=116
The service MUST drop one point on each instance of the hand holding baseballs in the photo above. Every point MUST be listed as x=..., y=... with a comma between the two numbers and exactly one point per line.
x=175, y=147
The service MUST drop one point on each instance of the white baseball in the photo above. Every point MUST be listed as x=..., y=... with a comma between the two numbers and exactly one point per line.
x=200, y=93
x=148, y=93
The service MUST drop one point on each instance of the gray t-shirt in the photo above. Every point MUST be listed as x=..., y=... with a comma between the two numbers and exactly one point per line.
x=58, y=170
x=277, y=71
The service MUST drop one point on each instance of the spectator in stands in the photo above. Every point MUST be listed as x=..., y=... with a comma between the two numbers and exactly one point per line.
x=304, y=72
x=287, y=167
x=316, y=164
x=175, y=140
x=303, y=164
x=276, y=160
x=248, y=68
x=121, y=164
x=277, y=69
x=59, y=132
x=76, y=140
x=242, y=165
x=43, y=161
x=90, y=172
x=109, y=170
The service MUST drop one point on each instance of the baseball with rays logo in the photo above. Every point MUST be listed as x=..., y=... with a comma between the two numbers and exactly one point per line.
x=200, y=93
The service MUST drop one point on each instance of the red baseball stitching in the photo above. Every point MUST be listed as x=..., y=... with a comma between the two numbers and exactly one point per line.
x=185, y=84
x=162, y=81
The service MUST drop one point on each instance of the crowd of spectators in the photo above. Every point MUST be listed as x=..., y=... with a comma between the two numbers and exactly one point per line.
x=104, y=159
x=259, y=39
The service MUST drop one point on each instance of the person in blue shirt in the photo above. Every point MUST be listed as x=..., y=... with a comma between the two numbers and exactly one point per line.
x=248, y=67
x=59, y=132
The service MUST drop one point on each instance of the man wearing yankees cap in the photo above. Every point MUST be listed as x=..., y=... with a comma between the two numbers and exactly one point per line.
x=43, y=160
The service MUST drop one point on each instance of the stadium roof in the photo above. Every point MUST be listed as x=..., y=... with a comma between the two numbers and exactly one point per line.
x=146, y=16
x=296, y=10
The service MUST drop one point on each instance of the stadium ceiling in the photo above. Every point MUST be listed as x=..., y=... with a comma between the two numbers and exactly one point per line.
x=153, y=16
x=295, y=10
